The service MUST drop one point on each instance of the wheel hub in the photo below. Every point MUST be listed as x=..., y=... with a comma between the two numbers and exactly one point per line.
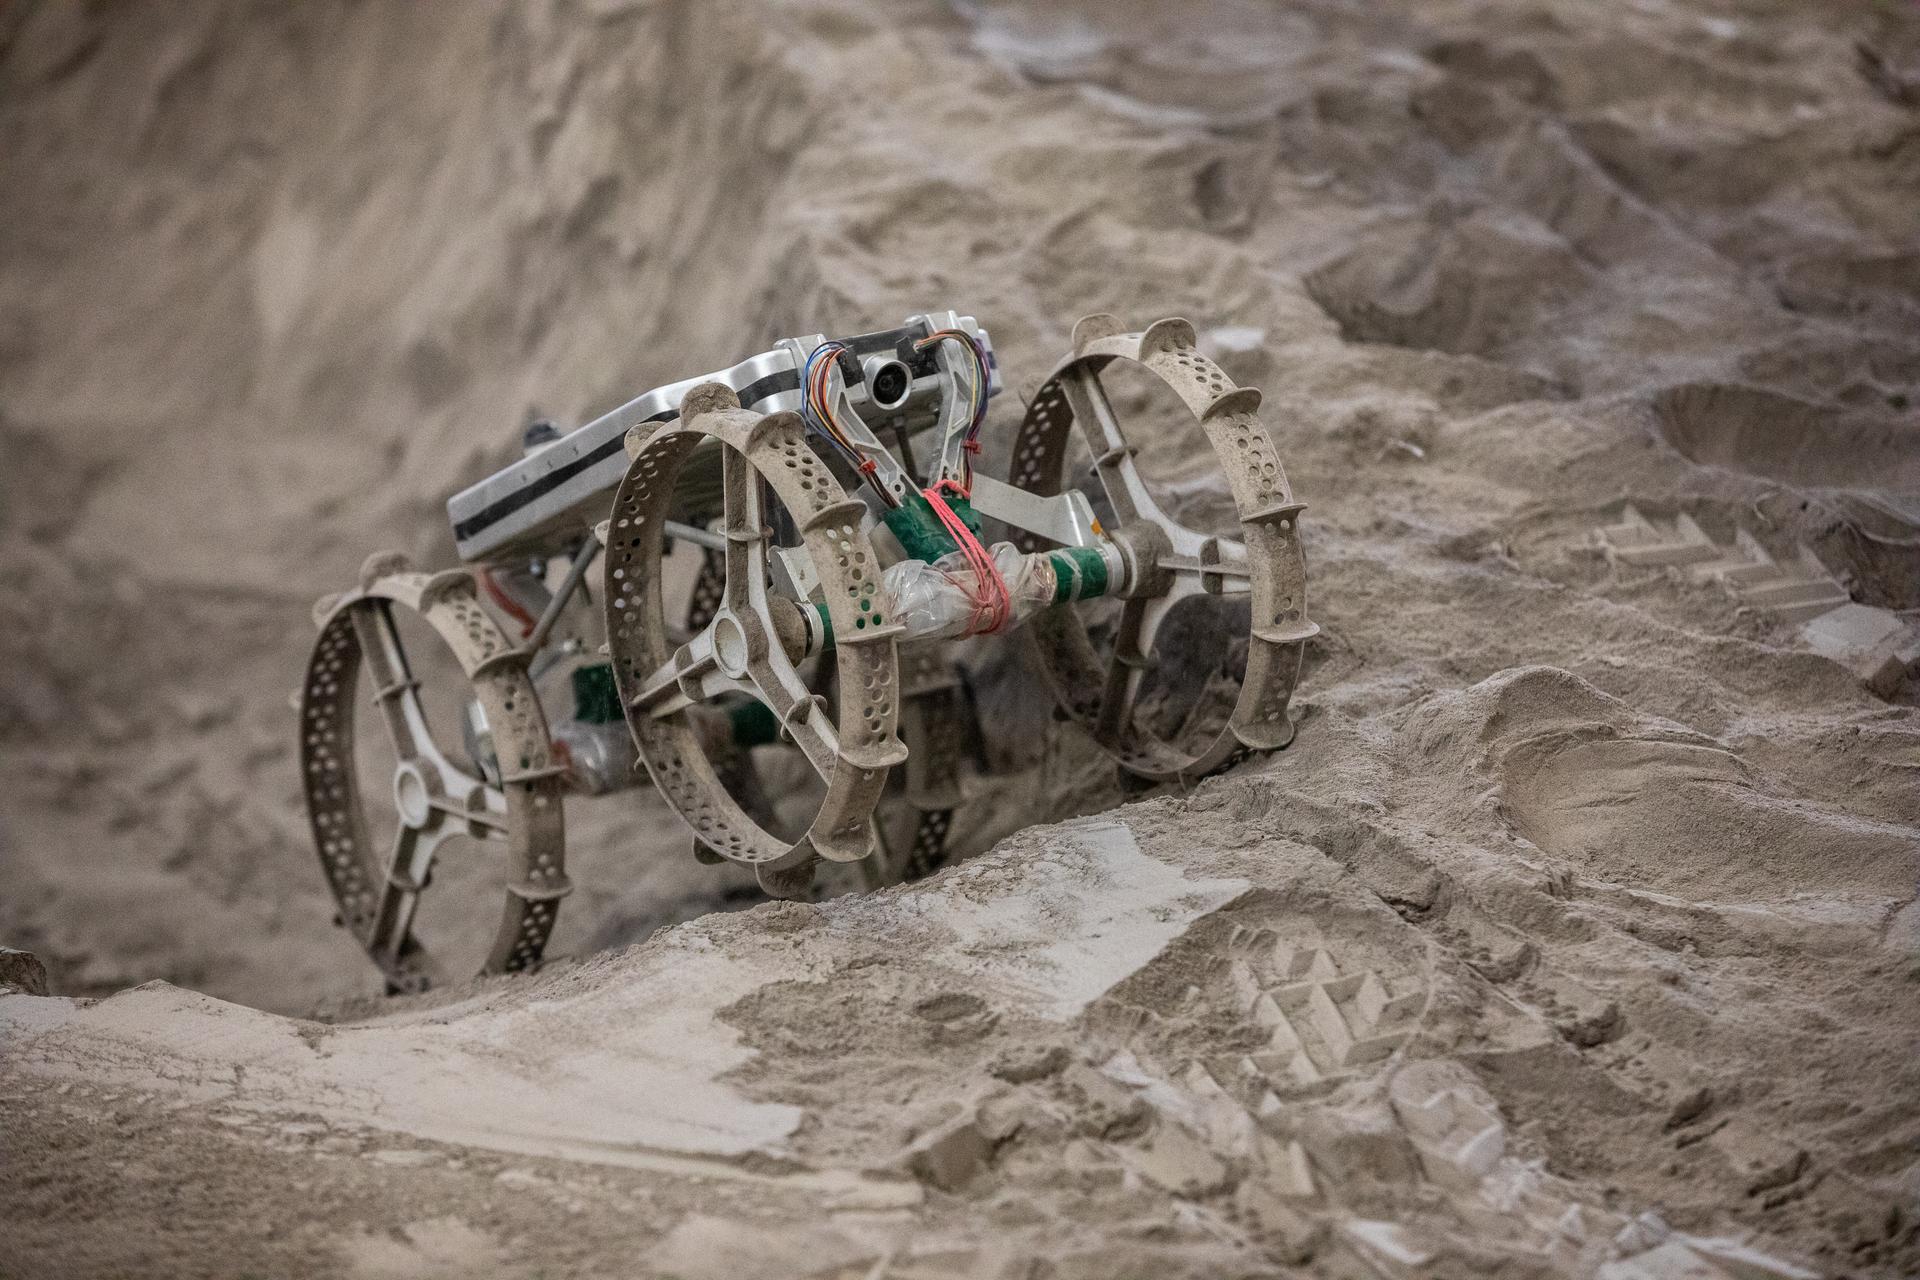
x=413, y=796
x=730, y=649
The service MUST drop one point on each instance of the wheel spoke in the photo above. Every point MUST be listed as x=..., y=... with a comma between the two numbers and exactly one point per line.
x=663, y=692
x=397, y=693
x=394, y=690
x=772, y=676
x=745, y=522
x=491, y=820
x=1120, y=477
x=660, y=693
x=1201, y=563
x=407, y=868
x=813, y=733
x=1116, y=704
x=1112, y=454
x=454, y=780
x=1132, y=645
x=1193, y=577
x=778, y=684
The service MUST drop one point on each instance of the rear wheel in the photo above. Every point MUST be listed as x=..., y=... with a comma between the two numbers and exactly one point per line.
x=385, y=800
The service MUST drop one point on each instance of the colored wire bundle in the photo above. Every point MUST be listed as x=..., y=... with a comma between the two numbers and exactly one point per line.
x=817, y=411
x=976, y=394
x=992, y=602
x=987, y=591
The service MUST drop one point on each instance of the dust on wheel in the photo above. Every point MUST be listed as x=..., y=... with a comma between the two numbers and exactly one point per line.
x=1251, y=556
x=394, y=794
x=756, y=636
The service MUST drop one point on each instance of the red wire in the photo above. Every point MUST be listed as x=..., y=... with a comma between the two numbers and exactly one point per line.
x=820, y=403
x=992, y=602
x=511, y=607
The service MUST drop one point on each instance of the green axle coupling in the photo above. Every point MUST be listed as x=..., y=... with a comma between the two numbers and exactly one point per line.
x=753, y=724
x=920, y=532
x=1079, y=573
x=595, y=699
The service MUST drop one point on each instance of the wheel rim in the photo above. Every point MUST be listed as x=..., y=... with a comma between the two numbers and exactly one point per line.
x=378, y=890
x=749, y=644
x=935, y=720
x=1174, y=563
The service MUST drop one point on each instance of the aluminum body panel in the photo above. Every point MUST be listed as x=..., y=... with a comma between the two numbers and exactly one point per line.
x=541, y=502
x=550, y=495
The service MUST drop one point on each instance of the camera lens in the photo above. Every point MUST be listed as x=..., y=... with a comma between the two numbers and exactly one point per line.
x=888, y=383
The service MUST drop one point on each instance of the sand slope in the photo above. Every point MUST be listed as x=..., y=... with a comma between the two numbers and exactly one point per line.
x=1115, y=1047
x=1631, y=865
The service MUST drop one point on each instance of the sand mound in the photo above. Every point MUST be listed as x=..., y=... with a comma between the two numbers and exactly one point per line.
x=1649, y=803
x=1783, y=438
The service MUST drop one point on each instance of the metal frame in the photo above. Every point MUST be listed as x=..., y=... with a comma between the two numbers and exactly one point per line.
x=540, y=501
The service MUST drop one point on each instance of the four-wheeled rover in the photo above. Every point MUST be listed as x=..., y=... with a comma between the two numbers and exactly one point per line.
x=778, y=558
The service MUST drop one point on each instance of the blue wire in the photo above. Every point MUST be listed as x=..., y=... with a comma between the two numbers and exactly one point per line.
x=812, y=419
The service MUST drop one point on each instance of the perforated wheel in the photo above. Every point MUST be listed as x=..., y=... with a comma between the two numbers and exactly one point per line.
x=756, y=637
x=709, y=589
x=1169, y=563
x=512, y=810
x=936, y=719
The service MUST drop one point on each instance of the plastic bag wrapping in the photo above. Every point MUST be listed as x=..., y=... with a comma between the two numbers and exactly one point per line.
x=942, y=600
x=599, y=757
x=589, y=734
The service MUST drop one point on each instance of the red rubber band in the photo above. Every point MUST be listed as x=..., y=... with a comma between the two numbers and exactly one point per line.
x=992, y=602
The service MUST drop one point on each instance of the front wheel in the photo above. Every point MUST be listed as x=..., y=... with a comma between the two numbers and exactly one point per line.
x=757, y=635
x=1251, y=562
